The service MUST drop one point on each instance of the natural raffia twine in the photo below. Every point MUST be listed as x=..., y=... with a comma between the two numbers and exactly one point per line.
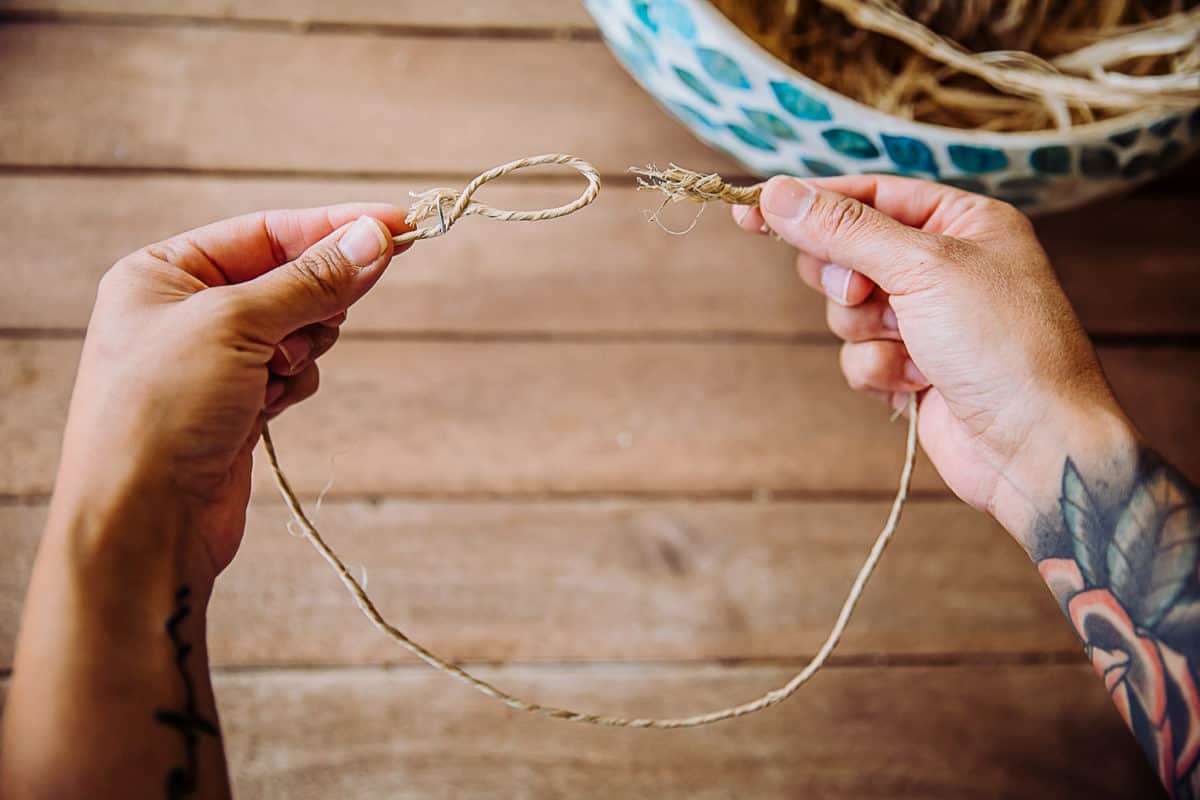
x=677, y=184
x=451, y=205
x=1000, y=65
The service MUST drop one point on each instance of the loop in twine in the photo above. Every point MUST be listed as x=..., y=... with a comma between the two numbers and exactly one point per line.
x=450, y=206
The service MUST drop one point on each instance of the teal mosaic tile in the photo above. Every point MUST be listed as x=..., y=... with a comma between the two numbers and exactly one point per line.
x=1052, y=159
x=821, y=169
x=722, y=69
x=973, y=158
x=1125, y=138
x=911, y=155
x=770, y=125
x=850, y=143
x=1164, y=127
x=799, y=104
x=1098, y=162
x=751, y=138
x=696, y=85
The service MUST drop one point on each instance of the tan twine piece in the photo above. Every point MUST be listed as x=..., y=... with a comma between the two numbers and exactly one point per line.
x=449, y=206
x=1003, y=65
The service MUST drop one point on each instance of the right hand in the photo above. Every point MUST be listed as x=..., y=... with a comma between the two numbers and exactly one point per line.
x=949, y=295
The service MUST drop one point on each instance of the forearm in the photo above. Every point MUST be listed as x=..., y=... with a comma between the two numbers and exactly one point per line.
x=110, y=694
x=1115, y=532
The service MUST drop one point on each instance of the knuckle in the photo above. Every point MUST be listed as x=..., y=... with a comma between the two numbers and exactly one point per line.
x=840, y=215
x=852, y=369
x=311, y=383
x=846, y=323
x=868, y=365
x=168, y=251
x=321, y=272
x=998, y=213
x=323, y=341
x=117, y=276
x=876, y=365
x=1003, y=211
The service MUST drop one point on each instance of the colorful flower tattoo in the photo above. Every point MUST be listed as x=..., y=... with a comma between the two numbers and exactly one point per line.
x=1123, y=565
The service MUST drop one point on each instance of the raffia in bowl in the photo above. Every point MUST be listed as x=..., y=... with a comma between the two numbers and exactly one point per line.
x=1000, y=65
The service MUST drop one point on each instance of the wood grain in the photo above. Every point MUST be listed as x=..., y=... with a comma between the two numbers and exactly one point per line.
x=527, y=474
x=435, y=417
x=889, y=733
x=234, y=99
x=611, y=580
x=493, y=14
x=1127, y=264
x=488, y=277
x=895, y=733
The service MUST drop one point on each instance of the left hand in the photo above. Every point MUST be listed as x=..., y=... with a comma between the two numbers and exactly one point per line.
x=193, y=343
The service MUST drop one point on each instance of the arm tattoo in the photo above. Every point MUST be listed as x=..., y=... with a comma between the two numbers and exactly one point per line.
x=181, y=780
x=1121, y=555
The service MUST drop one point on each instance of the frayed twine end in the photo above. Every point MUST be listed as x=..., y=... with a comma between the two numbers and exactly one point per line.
x=678, y=183
x=431, y=203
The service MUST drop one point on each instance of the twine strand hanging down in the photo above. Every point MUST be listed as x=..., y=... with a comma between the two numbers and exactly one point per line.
x=450, y=206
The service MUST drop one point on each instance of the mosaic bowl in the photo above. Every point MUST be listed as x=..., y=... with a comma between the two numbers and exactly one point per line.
x=742, y=100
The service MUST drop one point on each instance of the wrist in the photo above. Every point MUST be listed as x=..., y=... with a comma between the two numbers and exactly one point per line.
x=1087, y=432
x=125, y=535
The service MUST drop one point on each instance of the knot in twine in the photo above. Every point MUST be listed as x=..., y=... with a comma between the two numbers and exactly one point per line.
x=451, y=205
x=677, y=183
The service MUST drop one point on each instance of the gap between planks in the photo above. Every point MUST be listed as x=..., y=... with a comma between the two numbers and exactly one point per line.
x=572, y=33
x=947, y=660
x=963, y=660
x=779, y=496
x=1106, y=339
x=417, y=178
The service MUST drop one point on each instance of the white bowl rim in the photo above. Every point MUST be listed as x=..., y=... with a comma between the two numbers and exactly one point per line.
x=1090, y=131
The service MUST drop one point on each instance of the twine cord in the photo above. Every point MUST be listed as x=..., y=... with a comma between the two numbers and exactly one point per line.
x=677, y=184
x=451, y=205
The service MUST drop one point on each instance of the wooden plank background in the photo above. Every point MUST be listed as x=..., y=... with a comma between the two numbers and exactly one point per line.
x=626, y=476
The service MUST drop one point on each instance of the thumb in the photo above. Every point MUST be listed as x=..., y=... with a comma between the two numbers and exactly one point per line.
x=841, y=230
x=321, y=282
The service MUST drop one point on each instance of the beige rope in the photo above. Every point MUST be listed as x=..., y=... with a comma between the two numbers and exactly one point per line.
x=703, y=190
x=678, y=183
x=449, y=205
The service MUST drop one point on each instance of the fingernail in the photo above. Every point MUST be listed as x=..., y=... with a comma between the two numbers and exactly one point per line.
x=835, y=281
x=914, y=375
x=274, y=392
x=295, y=349
x=786, y=197
x=363, y=242
x=889, y=320
x=740, y=213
